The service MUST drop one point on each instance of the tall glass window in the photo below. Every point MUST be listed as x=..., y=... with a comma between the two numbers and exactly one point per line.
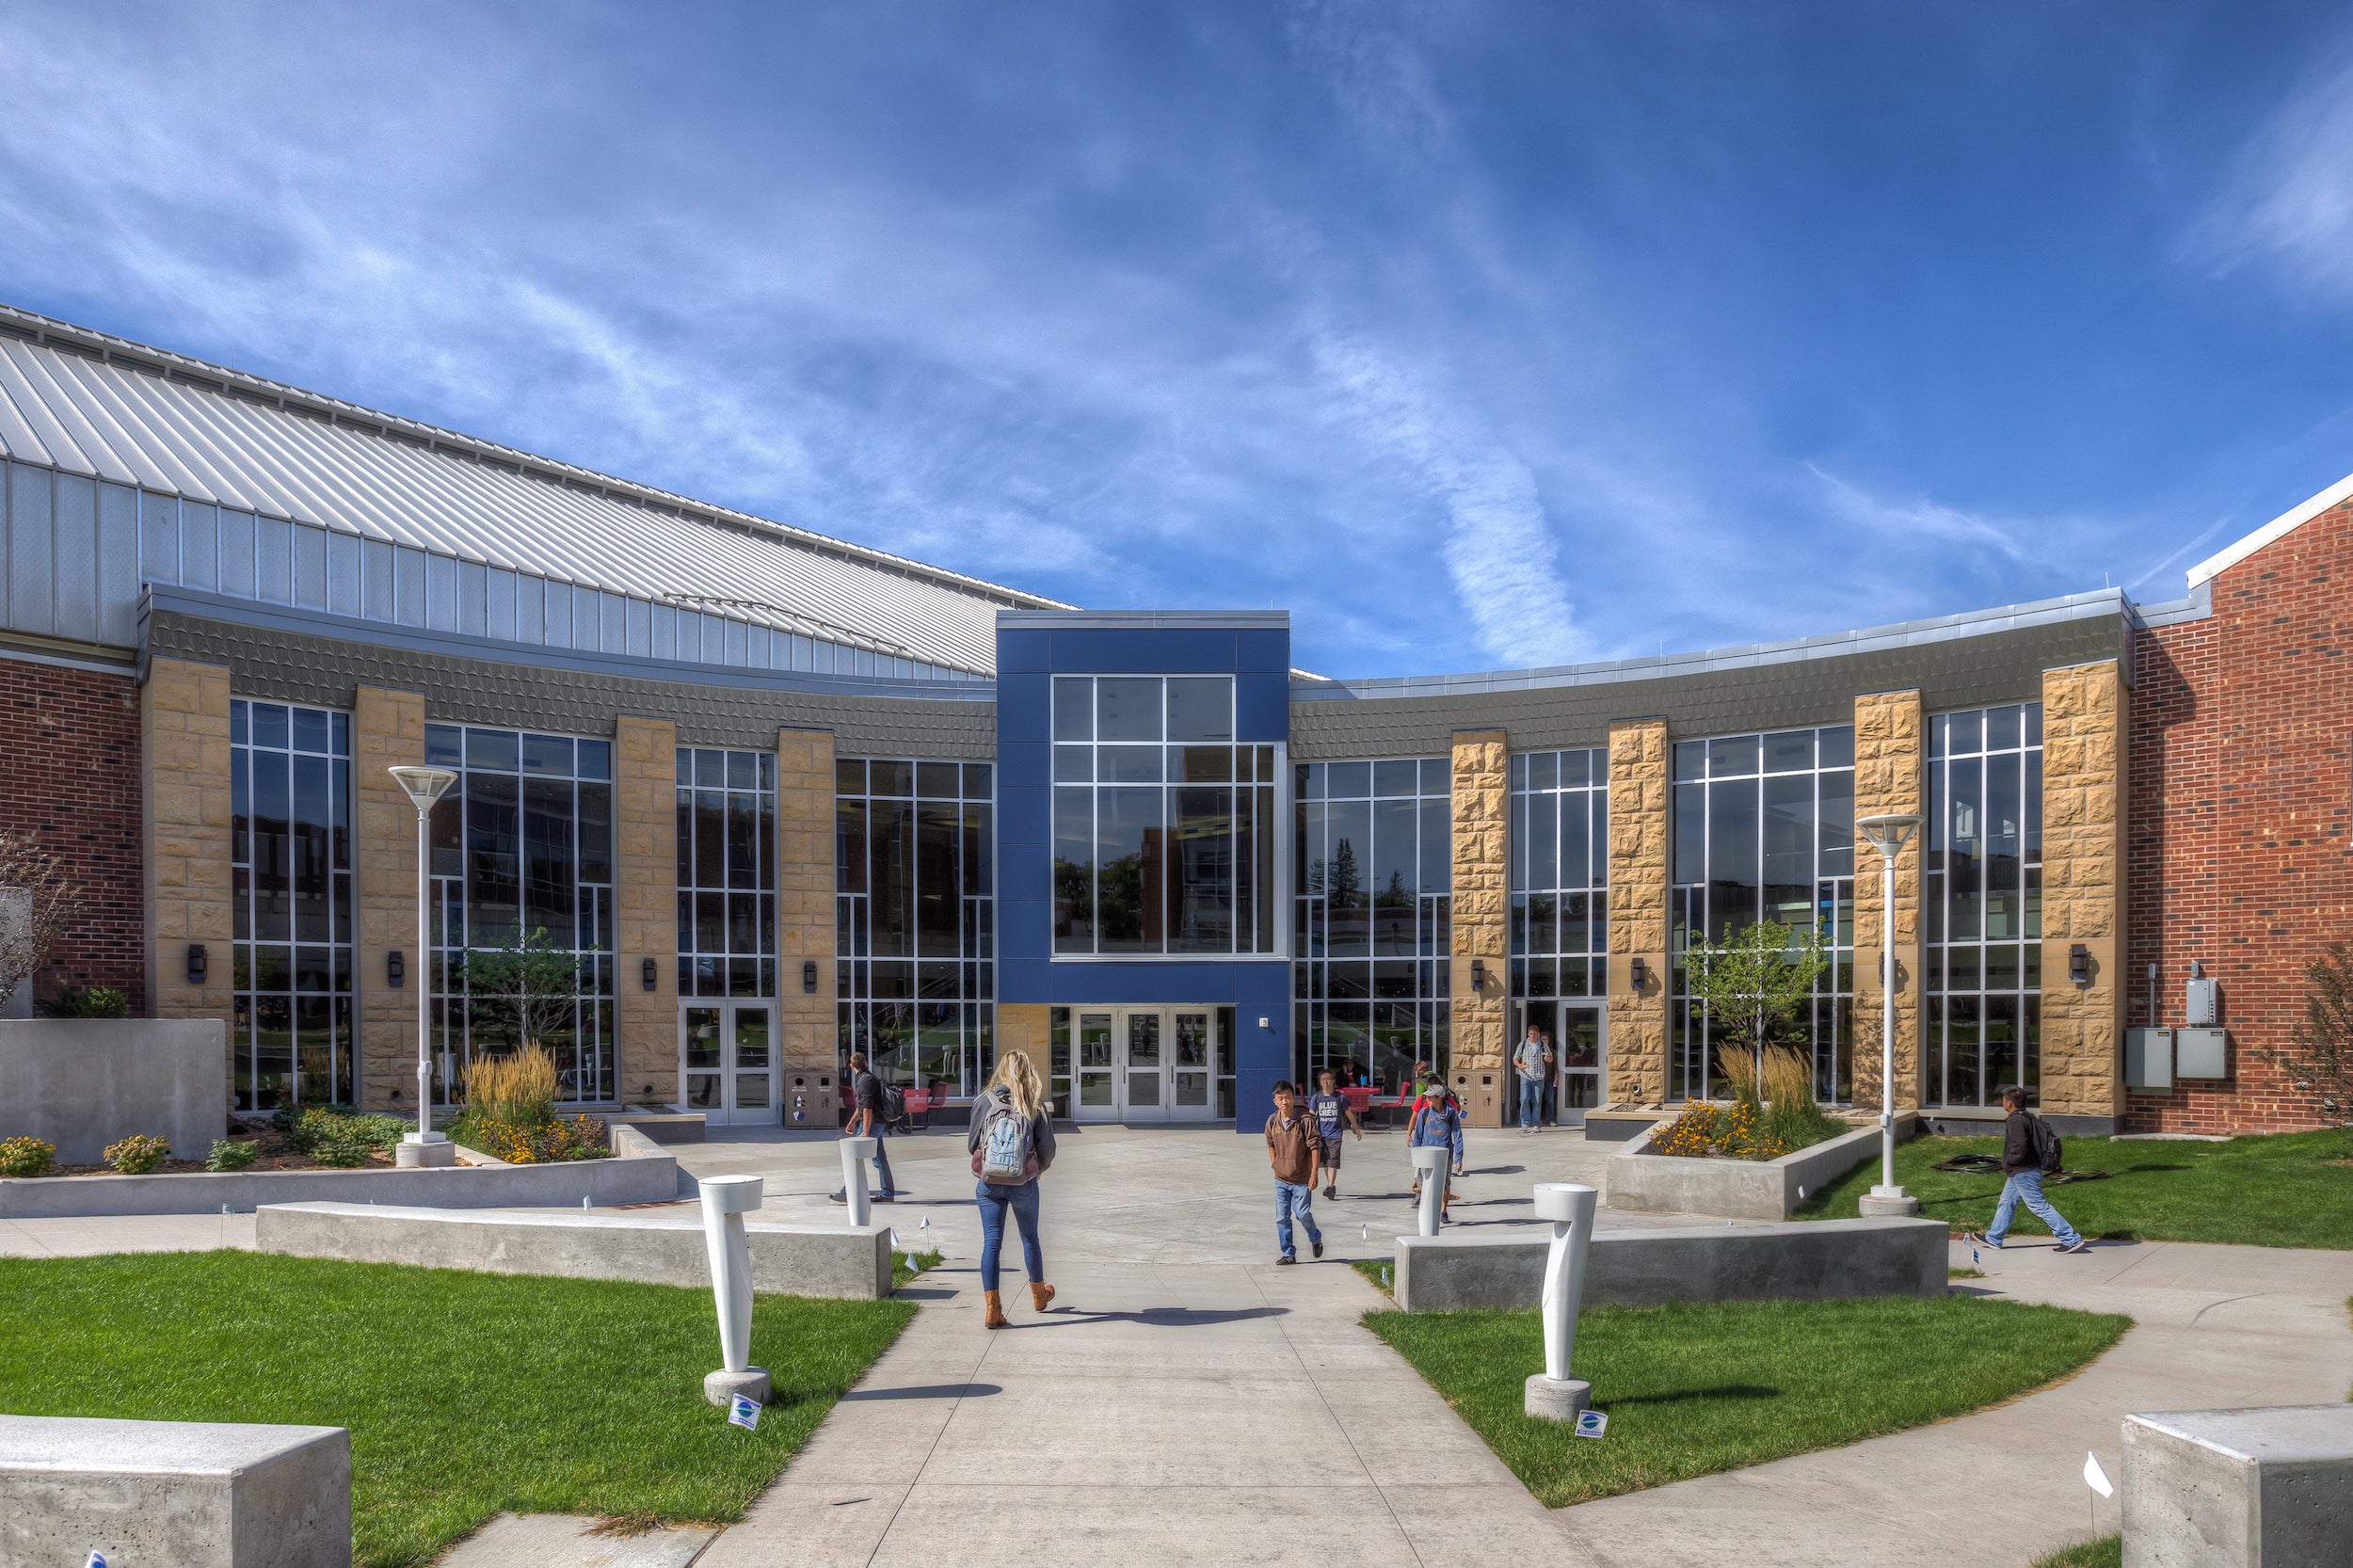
x=290, y=855
x=1560, y=874
x=1373, y=870
x=1984, y=905
x=1764, y=829
x=524, y=842
x=915, y=918
x=726, y=873
x=1164, y=829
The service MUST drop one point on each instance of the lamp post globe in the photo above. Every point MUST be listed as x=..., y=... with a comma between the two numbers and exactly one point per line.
x=424, y=786
x=1888, y=833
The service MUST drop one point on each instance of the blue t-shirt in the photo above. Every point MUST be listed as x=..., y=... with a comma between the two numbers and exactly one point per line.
x=1327, y=1109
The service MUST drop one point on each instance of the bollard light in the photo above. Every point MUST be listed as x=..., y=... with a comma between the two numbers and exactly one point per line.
x=1429, y=1163
x=855, y=1152
x=725, y=1200
x=1552, y=1394
x=424, y=786
x=1888, y=834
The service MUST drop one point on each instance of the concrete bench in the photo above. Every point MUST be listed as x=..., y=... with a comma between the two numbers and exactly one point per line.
x=2239, y=1488
x=660, y=1246
x=1823, y=1260
x=190, y=1494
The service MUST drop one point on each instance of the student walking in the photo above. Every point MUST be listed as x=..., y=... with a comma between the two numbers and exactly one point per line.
x=1438, y=1123
x=866, y=1121
x=1332, y=1114
x=1296, y=1154
x=1012, y=1143
x=2030, y=1151
x=1533, y=1060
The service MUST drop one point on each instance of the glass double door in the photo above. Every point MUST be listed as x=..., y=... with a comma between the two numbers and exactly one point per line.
x=1580, y=1056
x=1148, y=1064
x=728, y=1066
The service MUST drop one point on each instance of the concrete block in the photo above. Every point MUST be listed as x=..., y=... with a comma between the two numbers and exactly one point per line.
x=194, y=1495
x=662, y=1247
x=1824, y=1260
x=2269, y=1488
x=83, y=1083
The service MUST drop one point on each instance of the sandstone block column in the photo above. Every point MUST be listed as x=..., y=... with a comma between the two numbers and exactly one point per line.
x=1483, y=834
x=1890, y=775
x=387, y=732
x=185, y=809
x=645, y=909
x=805, y=918
x=2084, y=713
x=1640, y=796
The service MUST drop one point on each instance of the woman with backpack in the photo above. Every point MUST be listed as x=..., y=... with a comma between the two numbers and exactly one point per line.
x=1012, y=1141
x=1438, y=1123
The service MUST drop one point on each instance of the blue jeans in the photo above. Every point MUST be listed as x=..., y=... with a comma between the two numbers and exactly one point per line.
x=992, y=1201
x=1532, y=1102
x=881, y=1158
x=2027, y=1185
x=1291, y=1199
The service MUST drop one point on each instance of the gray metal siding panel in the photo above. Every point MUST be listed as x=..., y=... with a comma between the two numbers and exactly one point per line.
x=117, y=564
x=498, y=618
x=273, y=561
x=441, y=593
x=74, y=563
x=531, y=610
x=200, y=546
x=638, y=635
x=408, y=586
x=160, y=539
x=377, y=574
x=309, y=567
x=344, y=554
x=237, y=554
x=474, y=599
x=30, y=572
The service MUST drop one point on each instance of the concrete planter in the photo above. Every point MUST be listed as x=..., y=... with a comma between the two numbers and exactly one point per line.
x=1644, y=1183
x=83, y=1083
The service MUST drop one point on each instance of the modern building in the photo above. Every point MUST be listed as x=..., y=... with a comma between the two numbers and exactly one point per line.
x=784, y=796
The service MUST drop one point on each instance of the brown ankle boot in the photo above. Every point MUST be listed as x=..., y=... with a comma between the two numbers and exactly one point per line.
x=996, y=1309
x=1040, y=1295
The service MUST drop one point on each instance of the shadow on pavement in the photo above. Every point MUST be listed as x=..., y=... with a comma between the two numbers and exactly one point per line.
x=928, y=1391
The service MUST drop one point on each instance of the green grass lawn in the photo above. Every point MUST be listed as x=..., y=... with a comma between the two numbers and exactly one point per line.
x=2107, y=1552
x=2290, y=1189
x=465, y=1393
x=1692, y=1390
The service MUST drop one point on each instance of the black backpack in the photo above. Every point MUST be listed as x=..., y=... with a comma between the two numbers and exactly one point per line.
x=2046, y=1145
x=894, y=1105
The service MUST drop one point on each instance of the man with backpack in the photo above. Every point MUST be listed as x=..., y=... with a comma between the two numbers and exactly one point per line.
x=871, y=1119
x=2030, y=1151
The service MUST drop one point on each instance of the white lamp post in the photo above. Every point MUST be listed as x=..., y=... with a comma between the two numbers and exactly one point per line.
x=1888, y=834
x=424, y=786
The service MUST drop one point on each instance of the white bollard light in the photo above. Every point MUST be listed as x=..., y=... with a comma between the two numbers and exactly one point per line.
x=725, y=1200
x=1429, y=1165
x=855, y=1152
x=1552, y=1393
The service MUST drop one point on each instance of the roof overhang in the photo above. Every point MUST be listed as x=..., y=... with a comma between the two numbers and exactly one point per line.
x=2285, y=524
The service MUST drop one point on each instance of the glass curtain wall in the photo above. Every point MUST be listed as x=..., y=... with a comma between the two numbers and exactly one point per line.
x=521, y=844
x=1164, y=829
x=915, y=918
x=1764, y=829
x=726, y=873
x=1560, y=874
x=1373, y=865
x=1984, y=905
x=290, y=855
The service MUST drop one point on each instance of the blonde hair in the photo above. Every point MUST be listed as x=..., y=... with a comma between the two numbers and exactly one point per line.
x=1017, y=1074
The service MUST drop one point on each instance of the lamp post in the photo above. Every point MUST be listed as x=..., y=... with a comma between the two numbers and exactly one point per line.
x=424, y=786
x=1888, y=834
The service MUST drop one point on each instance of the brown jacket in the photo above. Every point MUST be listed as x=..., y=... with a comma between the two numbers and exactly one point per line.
x=1295, y=1147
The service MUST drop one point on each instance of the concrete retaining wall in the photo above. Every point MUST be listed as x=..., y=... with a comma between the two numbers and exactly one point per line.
x=83, y=1083
x=640, y=1173
x=663, y=1248
x=1644, y=1183
x=195, y=1494
x=2239, y=1488
x=1821, y=1260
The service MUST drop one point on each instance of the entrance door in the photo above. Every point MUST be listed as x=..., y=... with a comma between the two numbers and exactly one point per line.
x=1144, y=1096
x=1582, y=1052
x=1148, y=1064
x=1098, y=1081
x=726, y=1061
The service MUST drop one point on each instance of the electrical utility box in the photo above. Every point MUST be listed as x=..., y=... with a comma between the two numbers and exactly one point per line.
x=2200, y=1052
x=2149, y=1059
x=2201, y=1004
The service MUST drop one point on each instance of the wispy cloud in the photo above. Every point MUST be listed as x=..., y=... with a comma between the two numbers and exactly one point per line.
x=2288, y=199
x=1917, y=520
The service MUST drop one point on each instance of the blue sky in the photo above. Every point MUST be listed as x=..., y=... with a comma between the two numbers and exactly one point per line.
x=1478, y=336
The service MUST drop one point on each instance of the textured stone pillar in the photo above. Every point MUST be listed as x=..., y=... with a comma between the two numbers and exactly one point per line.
x=387, y=732
x=1640, y=804
x=1890, y=774
x=805, y=907
x=2084, y=714
x=645, y=913
x=1482, y=833
x=185, y=809
x=1025, y=1026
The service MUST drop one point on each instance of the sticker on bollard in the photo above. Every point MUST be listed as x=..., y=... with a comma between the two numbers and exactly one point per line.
x=745, y=1414
x=1592, y=1423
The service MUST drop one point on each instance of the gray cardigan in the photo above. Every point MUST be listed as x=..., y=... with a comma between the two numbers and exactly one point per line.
x=1041, y=1127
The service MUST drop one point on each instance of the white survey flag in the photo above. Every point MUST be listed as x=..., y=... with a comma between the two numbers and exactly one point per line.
x=2096, y=1478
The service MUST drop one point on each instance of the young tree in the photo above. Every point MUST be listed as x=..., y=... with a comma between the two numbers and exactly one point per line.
x=2319, y=1057
x=526, y=982
x=1756, y=985
x=37, y=902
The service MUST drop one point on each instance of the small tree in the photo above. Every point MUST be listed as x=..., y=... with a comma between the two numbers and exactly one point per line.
x=526, y=982
x=37, y=902
x=2319, y=1057
x=1755, y=983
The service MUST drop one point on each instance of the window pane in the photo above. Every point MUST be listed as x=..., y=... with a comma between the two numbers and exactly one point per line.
x=1200, y=708
x=1074, y=707
x=1128, y=848
x=1201, y=911
x=1074, y=870
x=1127, y=708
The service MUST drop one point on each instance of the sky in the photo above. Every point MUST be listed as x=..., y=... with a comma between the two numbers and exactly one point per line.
x=1478, y=336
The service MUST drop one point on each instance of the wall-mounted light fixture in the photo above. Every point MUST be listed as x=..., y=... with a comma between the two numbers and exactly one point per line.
x=808, y=976
x=198, y=967
x=651, y=974
x=1478, y=974
x=1637, y=973
x=395, y=968
x=2079, y=964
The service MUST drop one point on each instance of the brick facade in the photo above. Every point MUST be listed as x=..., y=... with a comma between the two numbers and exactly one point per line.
x=70, y=751
x=2237, y=849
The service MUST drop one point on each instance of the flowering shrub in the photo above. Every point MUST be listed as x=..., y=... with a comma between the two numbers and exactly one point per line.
x=232, y=1154
x=337, y=1138
x=550, y=1143
x=26, y=1157
x=1707, y=1131
x=139, y=1154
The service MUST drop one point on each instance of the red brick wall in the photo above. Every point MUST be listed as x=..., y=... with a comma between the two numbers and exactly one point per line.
x=70, y=776
x=2241, y=784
